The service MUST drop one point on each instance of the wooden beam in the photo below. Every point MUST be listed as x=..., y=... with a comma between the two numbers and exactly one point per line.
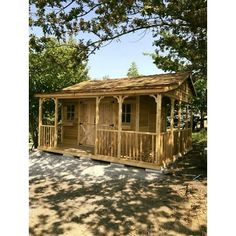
x=179, y=124
x=56, y=122
x=105, y=93
x=120, y=100
x=40, y=120
x=98, y=99
x=186, y=117
x=172, y=124
x=158, y=128
x=137, y=111
x=78, y=120
x=62, y=119
x=119, y=125
x=158, y=153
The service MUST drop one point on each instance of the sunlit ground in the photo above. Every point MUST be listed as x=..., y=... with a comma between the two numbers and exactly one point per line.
x=72, y=196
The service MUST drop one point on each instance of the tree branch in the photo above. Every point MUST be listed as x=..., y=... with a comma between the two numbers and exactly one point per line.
x=65, y=6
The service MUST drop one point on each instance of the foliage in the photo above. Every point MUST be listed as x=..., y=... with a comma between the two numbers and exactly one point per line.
x=51, y=69
x=133, y=70
x=105, y=77
x=179, y=29
x=200, y=137
x=182, y=22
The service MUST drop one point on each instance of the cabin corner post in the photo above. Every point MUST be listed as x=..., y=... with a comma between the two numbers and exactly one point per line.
x=179, y=125
x=158, y=148
x=120, y=100
x=56, y=122
x=172, y=125
x=158, y=128
x=137, y=114
x=119, y=125
x=40, y=121
x=98, y=99
x=191, y=123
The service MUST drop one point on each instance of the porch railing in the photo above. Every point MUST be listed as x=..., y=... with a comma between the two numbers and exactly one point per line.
x=139, y=146
x=107, y=142
x=166, y=146
x=47, y=136
x=185, y=139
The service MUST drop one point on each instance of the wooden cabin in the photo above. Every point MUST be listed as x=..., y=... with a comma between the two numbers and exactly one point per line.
x=144, y=121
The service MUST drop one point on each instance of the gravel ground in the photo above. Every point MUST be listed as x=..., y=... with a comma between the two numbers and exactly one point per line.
x=77, y=196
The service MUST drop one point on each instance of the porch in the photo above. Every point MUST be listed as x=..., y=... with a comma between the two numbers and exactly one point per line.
x=150, y=131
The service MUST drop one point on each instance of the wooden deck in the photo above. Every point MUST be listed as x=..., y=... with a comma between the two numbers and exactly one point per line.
x=83, y=151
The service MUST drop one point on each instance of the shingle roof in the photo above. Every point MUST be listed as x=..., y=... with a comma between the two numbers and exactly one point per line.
x=134, y=83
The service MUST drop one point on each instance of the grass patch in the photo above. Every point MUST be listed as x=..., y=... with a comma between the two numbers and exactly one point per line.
x=200, y=136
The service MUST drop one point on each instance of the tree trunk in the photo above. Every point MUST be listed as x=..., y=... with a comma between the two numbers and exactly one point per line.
x=202, y=119
x=33, y=129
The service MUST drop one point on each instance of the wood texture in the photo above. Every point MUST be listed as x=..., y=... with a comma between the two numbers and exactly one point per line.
x=98, y=121
x=121, y=86
x=179, y=126
x=172, y=109
x=56, y=122
x=40, y=121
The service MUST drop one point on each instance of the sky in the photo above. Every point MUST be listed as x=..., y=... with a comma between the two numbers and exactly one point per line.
x=115, y=59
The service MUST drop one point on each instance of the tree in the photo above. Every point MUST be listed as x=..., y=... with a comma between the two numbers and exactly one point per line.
x=179, y=29
x=51, y=69
x=133, y=70
x=105, y=77
x=106, y=20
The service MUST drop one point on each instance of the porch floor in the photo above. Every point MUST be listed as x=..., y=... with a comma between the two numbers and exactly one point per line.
x=73, y=150
x=88, y=151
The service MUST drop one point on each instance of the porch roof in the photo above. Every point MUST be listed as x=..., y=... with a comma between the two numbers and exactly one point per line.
x=159, y=82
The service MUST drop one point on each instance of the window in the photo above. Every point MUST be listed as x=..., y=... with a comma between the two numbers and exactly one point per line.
x=126, y=113
x=70, y=115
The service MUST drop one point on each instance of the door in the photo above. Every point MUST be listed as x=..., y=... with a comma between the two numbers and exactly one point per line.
x=87, y=123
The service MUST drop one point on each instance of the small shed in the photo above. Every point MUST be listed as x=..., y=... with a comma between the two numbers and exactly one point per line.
x=143, y=121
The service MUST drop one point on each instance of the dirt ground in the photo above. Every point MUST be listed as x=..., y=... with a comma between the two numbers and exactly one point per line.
x=72, y=197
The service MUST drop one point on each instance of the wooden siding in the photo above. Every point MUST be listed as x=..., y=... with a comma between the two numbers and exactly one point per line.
x=145, y=140
x=69, y=127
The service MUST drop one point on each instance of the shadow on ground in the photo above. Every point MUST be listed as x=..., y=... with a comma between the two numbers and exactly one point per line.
x=72, y=196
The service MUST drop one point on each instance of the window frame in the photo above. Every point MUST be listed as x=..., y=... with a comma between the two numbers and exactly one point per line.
x=70, y=113
x=126, y=113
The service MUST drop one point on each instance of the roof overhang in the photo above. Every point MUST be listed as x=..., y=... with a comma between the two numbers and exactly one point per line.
x=70, y=94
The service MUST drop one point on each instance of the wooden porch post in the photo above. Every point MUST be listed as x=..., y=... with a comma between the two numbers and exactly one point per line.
x=158, y=149
x=62, y=119
x=191, y=125
x=137, y=111
x=119, y=125
x=98, y=99
x=78, y=125
x=172, y=125
x=120, y=100
x=187, y=117
x=56, y=122
x=158, y=128
x=40, y=121
x=179, y=125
